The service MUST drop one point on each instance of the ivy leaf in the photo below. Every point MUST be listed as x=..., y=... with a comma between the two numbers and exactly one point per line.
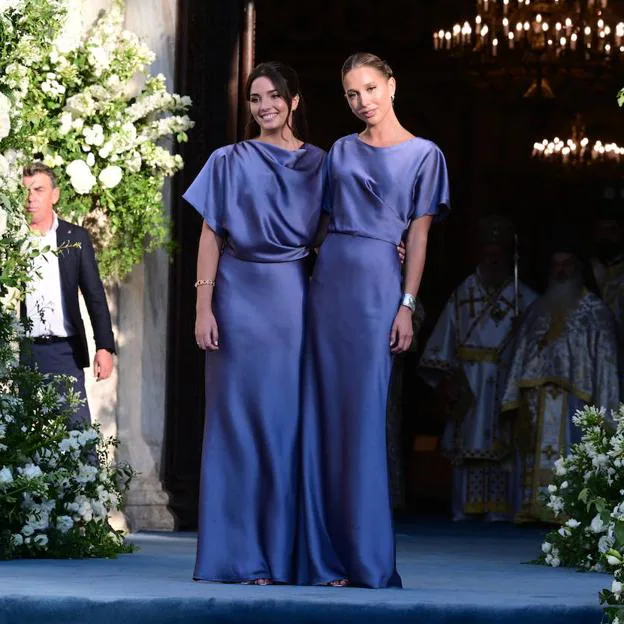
x=619, y=532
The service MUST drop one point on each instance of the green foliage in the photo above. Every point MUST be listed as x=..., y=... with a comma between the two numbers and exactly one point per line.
x=90, y=109
x=587, y=495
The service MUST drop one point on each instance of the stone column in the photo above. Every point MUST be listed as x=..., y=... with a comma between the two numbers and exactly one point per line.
x=132, y=405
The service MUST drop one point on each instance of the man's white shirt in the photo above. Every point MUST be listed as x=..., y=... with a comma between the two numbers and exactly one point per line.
x=44, y=300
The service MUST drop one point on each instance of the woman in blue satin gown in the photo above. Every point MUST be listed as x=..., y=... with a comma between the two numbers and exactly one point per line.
x=383, y=185
x=261, y=201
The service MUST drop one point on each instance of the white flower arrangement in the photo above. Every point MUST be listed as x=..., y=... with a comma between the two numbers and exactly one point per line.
x=57, y=483
x=587, y=496
x=55, y=497
x=88, y=108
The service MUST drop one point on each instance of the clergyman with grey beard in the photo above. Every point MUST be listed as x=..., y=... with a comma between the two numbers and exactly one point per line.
x=565, y=356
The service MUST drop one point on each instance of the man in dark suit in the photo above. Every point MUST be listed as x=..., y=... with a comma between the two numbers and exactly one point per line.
x=59, y=341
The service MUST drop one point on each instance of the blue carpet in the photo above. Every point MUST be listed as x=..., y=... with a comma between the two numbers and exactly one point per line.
x=453, y=573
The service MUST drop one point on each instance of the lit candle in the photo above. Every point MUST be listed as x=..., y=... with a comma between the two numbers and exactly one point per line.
x=494, y=47
x=511, y=40
x=466, y=32
x=506, y=26
x=456, y=33
x=565, y=152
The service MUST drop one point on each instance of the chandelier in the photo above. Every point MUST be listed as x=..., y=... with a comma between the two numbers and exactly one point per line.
x=530, y=31
x=578, y=150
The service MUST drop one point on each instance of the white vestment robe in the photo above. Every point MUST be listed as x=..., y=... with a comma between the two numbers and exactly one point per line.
x=469, y=342
x=559, y=362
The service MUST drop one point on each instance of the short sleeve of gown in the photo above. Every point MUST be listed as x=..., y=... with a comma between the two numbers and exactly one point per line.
x=431, y=189
x=207, y=192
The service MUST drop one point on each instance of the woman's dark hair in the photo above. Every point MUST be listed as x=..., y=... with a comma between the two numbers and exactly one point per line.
x=365, y=59
x=286, y=83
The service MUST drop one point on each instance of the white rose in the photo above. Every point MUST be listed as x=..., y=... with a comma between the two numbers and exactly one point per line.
x=573, y=523
x=611, y=560
x=546, y=547
x=597, y=525
x=105, y=150
x=64, y=523
x=99, y=58
x=28, y=530
x=3, y=221
x=99, y=510
x=5, y=5
x=91, y=160
x=560, y=469
x=80, y=176
x=41, y=540
x=5, y=475
x=605, y=543
x=5, y=166
x=111, y=176
x=66, y=122
x=93, y=135
x=30, y=471
x=5, y=119
x=17, y=539
x=616, y=587
x=5, y=124
x=555, y=563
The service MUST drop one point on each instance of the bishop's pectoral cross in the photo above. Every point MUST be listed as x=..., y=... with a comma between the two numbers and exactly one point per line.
x=549, y=452
x=471, y=300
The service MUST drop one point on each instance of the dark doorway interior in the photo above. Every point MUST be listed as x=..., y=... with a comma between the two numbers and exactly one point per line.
x=486, y=133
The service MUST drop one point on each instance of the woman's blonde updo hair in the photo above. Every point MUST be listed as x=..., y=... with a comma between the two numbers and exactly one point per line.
x=365, y=59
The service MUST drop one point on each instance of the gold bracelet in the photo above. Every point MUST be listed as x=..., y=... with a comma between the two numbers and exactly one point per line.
x=204, y=283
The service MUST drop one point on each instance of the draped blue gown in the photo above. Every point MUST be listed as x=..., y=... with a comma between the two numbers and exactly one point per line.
x=374, y=193
x=265, y=202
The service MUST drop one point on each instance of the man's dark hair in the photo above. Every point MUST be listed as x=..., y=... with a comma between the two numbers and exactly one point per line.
x=36, y=167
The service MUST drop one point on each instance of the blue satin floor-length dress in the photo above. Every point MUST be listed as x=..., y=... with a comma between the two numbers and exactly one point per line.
x=265, y=202
x=373, y=194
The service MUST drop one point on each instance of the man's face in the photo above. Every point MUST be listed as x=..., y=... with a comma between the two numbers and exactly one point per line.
x=42, y=197
x=564, y=267
x=493, y=264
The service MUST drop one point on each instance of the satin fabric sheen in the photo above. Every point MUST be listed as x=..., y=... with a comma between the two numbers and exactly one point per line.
x=265, y=201
x=346, y=528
